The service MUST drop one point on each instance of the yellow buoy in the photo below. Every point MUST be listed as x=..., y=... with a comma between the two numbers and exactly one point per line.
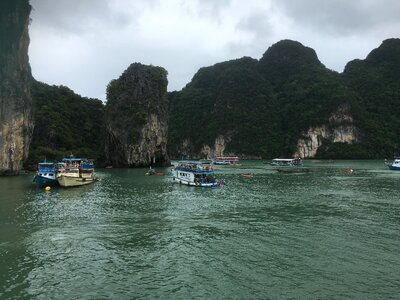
x=47, y=188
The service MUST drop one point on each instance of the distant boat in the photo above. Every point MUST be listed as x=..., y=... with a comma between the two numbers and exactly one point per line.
x=76, y=172
x=46, y=174
x=195, y=173
x=152, y=172
x=394, y=165
x=226, y=160
x=247, y=175
x=286, y=162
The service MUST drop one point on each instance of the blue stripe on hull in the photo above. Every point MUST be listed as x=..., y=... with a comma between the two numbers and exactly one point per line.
x=205, y=185
x=43, y=182
x=394, y=168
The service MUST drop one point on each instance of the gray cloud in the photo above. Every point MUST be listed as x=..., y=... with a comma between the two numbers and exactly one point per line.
x=75, y=17
x=258, y=24
x=85, y=43
x=212, y=8
x=341, y=17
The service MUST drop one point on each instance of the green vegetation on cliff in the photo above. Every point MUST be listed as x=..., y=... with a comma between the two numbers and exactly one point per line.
x=260, y=107
x=230, y=99
x=376, y=80
x=136, y=115
x=257, y=107
x=65, y=123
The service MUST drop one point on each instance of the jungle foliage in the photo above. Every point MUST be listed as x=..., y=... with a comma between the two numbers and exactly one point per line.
x=65, y=124
x=376, y=80
x=263, y=106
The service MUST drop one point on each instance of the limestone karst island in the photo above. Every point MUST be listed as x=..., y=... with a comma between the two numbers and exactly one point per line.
x=285, y=104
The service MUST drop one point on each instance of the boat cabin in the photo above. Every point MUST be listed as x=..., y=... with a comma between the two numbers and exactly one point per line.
x=226, y=160
x=286, y=162
x=195, y=173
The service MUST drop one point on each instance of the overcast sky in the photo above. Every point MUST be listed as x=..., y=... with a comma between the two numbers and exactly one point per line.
x=83, y=44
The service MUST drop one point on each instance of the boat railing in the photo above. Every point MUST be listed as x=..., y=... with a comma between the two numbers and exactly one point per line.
x=205, y=180
x=46, y=169
x=197, y=171
x=195, y=168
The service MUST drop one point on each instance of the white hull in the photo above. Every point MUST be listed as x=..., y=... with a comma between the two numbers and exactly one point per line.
x=70, y=181
x=191, y=183
x=395, y=165
x=188, y=178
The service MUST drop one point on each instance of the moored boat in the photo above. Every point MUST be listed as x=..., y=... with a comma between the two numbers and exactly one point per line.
x=76, y=172
x=286, y=162
x=46, y=174
x=394, y=165
x=152, y=172
x=226, y=160
x=195, y=173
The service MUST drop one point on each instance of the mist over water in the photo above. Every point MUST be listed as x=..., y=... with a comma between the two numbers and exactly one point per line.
x=319, y=234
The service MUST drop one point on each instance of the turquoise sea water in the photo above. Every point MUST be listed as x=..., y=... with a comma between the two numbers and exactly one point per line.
x=319, y=234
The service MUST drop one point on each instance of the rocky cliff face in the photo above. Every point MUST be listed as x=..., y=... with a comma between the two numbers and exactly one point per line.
x=218, y=149
x=16, y=123
x=340, y=129
x=137, y=119
x=188, y=151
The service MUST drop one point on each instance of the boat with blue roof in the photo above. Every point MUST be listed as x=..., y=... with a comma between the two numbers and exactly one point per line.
x=195, y=173
x=46, y=174
x=76, y=172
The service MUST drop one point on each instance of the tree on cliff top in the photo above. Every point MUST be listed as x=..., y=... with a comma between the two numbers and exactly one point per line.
x=139, y=93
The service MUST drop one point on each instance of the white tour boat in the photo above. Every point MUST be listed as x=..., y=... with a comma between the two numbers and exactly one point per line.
x=286, y=162
x=394, y=165
x=226, y=160
x=195, y=173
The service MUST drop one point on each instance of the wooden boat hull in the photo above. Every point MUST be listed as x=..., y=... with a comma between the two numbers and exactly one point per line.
x=69, y=181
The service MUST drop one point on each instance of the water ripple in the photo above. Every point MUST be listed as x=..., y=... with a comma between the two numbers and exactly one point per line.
x=319, y=234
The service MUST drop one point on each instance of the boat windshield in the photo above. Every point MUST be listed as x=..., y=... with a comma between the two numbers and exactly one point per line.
x=46, y=166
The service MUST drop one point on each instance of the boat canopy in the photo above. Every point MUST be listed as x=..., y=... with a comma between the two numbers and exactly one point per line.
x=196, y=167
x=191, y=162
x=74, y=159
x=227, y=158
x=284, y=159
